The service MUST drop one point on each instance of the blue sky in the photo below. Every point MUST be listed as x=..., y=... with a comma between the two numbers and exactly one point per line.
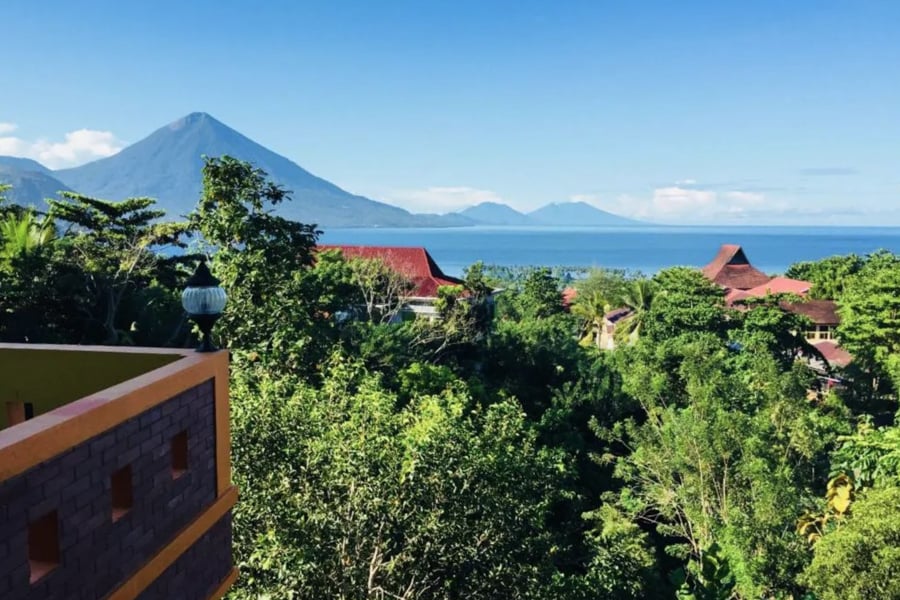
x=683, y=112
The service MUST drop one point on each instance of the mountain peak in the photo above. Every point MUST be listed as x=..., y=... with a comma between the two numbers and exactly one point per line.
x=195, y=118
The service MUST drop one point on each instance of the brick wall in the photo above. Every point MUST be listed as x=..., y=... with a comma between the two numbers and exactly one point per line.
x=97, y=554
x=199, y=571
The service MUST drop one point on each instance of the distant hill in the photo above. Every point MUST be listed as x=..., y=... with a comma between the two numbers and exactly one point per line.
x=166, y=165
x=29, y=187
x=568, y=214
x=24, y=164
x=494, y=213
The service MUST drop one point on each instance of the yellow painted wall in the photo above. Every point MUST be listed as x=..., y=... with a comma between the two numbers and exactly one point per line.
x=51, y=378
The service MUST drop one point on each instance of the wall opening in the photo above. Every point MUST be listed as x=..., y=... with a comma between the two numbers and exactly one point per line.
x=179, y=454
x=15, y=413
x=122, y=492
x=43, y=545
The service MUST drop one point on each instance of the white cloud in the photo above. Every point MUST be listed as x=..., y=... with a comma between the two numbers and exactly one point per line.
x=441, y=199
x=681, y=203
x=77, y=147
x=677, y=201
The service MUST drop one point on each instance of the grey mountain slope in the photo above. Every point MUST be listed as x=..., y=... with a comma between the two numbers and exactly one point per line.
x=568, y=214
x=29, y=187
x=495, y=213
x=166, y=165
x=24, y=164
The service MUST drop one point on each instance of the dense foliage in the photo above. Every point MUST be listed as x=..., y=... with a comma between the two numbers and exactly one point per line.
x=498, y=452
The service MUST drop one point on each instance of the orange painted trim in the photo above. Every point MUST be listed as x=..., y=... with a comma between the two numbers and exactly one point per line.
x=225, y=585
x=107, y=349
x=186, y=538
x=30, y=443
x=223, y=426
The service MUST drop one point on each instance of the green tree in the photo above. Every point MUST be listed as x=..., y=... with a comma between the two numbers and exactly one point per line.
x=116, y=246
x=870, y=316
x=858, y=559
x=637, y=297
x=347, y=496
x=591, y=309
x=724, y=457
x=279, y=307
x=685, y=302
x=829, y=276
x=23, y=234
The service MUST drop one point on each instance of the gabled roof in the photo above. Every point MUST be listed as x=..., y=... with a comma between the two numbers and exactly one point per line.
x=731, y=269
x=413, y=263
x=781, y=285
x=820, y=312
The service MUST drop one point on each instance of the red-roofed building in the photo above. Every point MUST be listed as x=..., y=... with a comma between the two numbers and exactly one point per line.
x=822, y=313
x=731, y=269
x=413, y=263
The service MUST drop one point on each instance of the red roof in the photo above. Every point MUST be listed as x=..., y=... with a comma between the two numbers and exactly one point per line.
x=568, y=296
x=781, y=285
x=834, y=354
x=820, y=312
x=413, y=263
x=731, y=269
x=735, y=296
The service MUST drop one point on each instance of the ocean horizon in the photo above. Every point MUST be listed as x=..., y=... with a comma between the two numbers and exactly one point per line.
x=644, y=248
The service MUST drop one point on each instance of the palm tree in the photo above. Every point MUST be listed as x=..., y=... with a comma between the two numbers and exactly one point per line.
x=23, y=234
x=592, y=310
x=637, y=297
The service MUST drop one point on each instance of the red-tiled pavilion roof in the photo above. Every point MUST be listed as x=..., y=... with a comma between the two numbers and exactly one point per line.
x=731, y=269
x=781, y=285
x=413, y=263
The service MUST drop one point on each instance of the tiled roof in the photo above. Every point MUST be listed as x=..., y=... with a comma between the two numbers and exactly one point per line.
x=781, y=285
x=568, y=296
x=834, y=354
x=731, y=269
x=413, y=263
x=820, y=312
x=735, y=296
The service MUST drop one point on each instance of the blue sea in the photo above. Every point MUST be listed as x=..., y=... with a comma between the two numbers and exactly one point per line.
x=645, y=249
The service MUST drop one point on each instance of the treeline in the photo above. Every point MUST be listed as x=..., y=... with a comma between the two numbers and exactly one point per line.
x=498, y=452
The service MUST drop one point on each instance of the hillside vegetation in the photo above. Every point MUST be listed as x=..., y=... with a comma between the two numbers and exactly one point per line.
x=497, y=453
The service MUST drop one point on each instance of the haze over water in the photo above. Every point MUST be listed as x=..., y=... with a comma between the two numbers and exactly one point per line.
x=647, y=249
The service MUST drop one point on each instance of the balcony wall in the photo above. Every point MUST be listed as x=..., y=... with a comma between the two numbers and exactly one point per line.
x=129, y=485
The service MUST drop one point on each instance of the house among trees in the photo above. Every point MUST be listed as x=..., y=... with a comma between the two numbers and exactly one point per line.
x=732, y=270
x=421, y=277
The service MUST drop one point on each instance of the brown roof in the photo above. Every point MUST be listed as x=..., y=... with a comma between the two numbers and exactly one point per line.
x=731, y=269
x=820, y=312
x=834, y=354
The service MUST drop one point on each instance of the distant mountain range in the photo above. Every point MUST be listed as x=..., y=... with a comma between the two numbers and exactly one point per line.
x=167, y=164
x=560, y=214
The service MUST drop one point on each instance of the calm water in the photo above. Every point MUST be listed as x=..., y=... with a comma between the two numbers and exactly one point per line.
x=648, y=249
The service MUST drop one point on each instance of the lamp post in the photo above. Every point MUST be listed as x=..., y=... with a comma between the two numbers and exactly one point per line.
x=203, y=300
